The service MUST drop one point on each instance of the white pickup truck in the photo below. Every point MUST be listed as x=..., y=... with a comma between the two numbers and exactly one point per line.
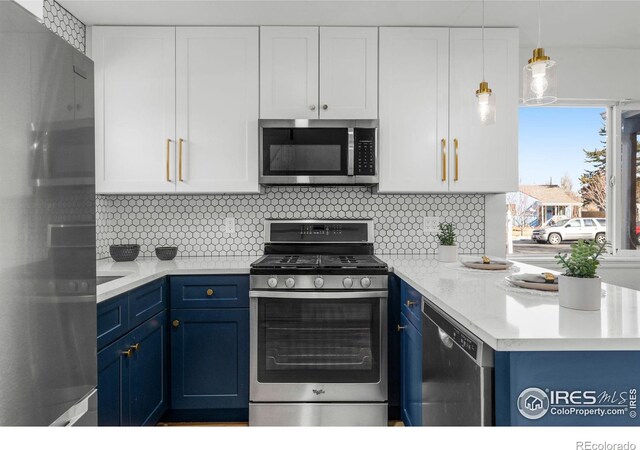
x=572, y=230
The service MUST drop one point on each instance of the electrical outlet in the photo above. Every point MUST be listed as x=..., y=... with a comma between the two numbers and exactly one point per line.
x=230, y=225
x=430, y=224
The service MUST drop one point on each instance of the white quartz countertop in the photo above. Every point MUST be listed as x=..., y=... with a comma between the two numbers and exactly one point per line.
x=144, y=270
x=506, y=318
x=514, y=319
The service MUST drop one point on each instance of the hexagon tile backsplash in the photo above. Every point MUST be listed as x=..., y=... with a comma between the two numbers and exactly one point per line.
x=195, y=223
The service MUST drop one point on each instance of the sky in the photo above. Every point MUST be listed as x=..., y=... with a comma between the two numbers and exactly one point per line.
x=551, y=142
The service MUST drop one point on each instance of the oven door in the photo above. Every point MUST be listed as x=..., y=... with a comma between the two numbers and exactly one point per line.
x=307, y=155
x=318, y=346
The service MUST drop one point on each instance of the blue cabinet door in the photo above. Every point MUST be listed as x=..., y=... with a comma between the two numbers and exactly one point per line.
x=209, y=291
x=148, y=371
x=113, y=383
x=113, y=319
x=210, y=358
x=410, y=373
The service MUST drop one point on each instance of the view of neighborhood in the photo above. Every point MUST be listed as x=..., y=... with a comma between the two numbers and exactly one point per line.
x=562, y=195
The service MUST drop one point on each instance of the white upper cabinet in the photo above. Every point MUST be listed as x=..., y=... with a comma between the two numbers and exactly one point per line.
x=487, y=156
x=289, y=72
x=217, y=109
x=348, y=73
x=338, y=82
x=414, y=95
x=135, y=109
x=431, y=138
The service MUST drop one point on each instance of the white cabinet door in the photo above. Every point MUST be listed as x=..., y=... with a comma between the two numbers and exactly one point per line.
x=487, y=158
x=135, y=109
x=217, y=109
x=289, y=72
x=348, y=73
x=414, y=95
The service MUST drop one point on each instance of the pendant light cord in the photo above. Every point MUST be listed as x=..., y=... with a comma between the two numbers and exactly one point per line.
x=539, y=21
x=483, y=79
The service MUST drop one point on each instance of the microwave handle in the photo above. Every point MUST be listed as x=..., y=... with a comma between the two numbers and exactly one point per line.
x=350, y=152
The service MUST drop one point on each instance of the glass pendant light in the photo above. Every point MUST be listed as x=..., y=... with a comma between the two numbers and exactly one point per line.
x=539, y=82
x=485, y=96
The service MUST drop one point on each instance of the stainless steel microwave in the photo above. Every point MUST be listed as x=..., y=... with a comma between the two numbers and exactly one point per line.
x=318, y=152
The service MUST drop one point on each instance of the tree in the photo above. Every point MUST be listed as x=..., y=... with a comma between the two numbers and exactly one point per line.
x=593, y=182
x=566, y=183
x=596, y=192
x=520, y=209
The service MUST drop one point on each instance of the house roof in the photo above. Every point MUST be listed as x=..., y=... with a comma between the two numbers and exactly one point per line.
x=548, y=194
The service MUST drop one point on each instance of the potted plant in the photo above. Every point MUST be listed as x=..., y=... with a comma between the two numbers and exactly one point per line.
x=580, y=287
x=448, y=249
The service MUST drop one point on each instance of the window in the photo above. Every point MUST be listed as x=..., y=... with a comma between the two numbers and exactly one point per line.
x=563, y=164
x=628, y=225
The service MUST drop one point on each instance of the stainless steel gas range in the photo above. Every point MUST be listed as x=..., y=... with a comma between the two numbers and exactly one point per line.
x=318, y=326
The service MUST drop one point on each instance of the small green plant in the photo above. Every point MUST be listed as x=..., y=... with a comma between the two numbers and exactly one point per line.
x=583, y=261
x=446, y=236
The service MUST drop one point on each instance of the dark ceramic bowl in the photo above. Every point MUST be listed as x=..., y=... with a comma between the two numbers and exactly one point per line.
x=166, y=253
x=124, y=252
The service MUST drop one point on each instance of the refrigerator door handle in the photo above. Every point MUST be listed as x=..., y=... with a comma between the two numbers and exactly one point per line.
x=76, y=412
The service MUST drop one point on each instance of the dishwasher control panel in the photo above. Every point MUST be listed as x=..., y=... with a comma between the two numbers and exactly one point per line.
x=463, y=341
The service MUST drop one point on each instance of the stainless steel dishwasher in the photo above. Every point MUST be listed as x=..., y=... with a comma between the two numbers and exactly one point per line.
x=457, y=372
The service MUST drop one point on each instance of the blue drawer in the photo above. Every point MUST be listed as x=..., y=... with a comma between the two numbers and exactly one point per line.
x=113, y=319
x=411, y=305
x=210, y=291
x=147, y=301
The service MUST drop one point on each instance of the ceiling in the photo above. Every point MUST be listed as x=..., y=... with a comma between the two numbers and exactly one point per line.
x=568, y=23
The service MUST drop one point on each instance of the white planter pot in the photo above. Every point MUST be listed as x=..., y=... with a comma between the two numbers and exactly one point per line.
x=448, y=253
x=584, y=294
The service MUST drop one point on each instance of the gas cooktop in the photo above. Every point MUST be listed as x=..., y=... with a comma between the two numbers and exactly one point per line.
x=319, y=262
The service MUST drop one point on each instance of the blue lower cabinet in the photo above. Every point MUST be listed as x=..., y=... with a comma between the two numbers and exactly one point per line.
x=148, y=371
x=132, y=376
x=393, y=350
x=113, y=383
x=210, y=359
x=567, y=388
x=410, y=373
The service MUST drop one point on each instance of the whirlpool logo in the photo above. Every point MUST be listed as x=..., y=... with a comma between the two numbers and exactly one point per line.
x=533, y=403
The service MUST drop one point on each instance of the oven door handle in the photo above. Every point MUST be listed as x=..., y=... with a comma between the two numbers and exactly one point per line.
x=311, y=295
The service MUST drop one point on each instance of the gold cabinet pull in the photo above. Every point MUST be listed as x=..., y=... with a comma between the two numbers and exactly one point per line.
x=410, y=303
x=443, y=145
x=135, y=347
x=175, y=323
x=209, y=292
x=455, y=147
x=180, y=160
x=168, y=162
x=128, y=352
x=400, y=328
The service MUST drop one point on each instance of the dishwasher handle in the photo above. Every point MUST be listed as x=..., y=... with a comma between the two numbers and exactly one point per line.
x=445, y=338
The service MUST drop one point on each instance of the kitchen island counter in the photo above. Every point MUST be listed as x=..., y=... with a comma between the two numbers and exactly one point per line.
x=514, y=319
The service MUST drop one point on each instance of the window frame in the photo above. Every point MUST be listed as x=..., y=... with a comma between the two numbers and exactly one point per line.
x=613, y=172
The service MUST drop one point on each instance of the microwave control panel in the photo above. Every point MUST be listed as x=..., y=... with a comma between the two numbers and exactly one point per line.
x=365, y=151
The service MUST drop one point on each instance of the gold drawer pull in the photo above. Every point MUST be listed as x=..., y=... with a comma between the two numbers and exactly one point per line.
x=135, y=347
x=455, y=146
x=209, y=292
x=400, y=328
x=175, y=323
x=168, y=162
x=128, y=352
x=443, y=145
x=410, y=303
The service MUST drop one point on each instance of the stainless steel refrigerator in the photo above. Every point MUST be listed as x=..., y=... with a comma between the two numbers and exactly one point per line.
x=47, y=227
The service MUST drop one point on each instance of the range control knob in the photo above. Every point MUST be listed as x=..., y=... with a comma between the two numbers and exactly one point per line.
x=318, y=282
x=365, y=282
x=347, y=282
x=272, y=282
x=290, y=282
